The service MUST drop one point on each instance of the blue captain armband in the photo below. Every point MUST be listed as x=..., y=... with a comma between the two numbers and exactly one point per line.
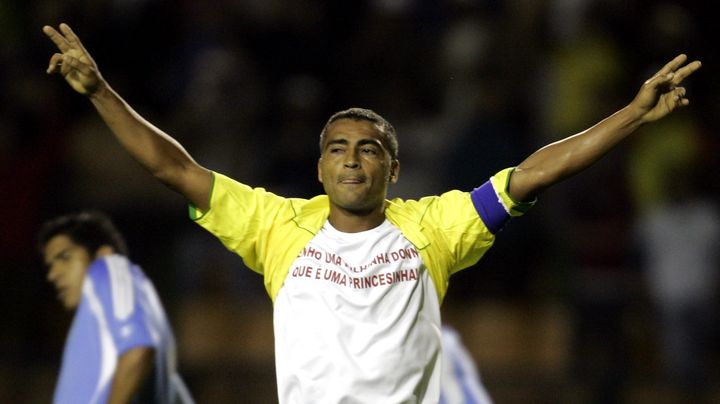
x=494, y=204
x=489, y=206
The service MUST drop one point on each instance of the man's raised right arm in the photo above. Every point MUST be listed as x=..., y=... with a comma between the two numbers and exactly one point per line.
x=158, y=152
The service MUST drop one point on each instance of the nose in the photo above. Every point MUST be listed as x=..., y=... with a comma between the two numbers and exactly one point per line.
x=53, y=273
x=351, y=160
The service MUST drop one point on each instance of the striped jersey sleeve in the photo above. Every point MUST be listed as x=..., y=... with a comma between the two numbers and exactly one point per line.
x=128, y=323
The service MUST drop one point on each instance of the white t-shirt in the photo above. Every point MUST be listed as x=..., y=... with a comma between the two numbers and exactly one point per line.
x=357, y=320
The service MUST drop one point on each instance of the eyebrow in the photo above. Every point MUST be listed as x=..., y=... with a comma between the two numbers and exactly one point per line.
x=343, y=142
x=361, y=142
x=59, y=253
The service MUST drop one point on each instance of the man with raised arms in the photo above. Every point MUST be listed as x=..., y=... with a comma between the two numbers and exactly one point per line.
x=335, y=342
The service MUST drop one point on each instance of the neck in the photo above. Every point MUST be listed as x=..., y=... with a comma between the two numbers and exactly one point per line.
x=355, y=222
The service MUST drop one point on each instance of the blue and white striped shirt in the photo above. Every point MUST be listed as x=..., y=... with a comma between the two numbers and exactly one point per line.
x=460, y=382
x=119, y=310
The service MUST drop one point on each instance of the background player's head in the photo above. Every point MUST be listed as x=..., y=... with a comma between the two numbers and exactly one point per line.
x=70, y=243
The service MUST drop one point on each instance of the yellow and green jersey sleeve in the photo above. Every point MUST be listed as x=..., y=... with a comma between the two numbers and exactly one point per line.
x=451, y=231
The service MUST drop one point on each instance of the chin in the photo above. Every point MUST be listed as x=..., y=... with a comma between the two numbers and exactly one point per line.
x=359, y=208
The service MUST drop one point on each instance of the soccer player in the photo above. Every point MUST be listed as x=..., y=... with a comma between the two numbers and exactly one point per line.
x=120, y=348
x=460, y=381
x=357, y=280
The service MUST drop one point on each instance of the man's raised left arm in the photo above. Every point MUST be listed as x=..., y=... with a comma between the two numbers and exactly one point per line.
x=658, y=97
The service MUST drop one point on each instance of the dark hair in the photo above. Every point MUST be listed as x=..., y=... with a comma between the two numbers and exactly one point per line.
x=89, y=229
x=362, y=114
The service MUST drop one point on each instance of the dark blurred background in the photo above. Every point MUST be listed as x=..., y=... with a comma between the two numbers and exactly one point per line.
x=607, y=291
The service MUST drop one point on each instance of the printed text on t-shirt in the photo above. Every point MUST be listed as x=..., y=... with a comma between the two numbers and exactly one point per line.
x=321, y=272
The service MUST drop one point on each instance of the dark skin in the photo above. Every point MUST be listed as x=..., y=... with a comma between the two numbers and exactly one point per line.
x=355, y=169
x=359, y=206
x=659, y=96
x=131, y=372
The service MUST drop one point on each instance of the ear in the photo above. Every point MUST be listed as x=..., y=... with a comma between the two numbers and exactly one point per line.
x=394, y=171
x=319, y=170
x=104, y=250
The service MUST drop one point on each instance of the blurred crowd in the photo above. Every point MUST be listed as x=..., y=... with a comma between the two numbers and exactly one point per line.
x=606, y=292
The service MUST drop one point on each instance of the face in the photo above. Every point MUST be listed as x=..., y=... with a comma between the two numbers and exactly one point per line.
x=67, y=265
x=355, y=166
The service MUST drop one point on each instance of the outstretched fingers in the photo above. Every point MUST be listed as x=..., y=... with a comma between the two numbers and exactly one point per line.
x=673, y=73
x=57, y=38
x=71, y=38
x=672, y=65
x=683, y=72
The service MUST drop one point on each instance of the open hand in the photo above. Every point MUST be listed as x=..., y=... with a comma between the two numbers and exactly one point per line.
x=662, y=93
x=73, y=62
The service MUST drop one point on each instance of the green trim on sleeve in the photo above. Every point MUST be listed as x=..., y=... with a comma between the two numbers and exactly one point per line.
x=193, y=211
x=501, y=183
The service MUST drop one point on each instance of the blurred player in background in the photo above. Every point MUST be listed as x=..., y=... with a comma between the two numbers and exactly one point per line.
x=460, y=381
x=120, y=348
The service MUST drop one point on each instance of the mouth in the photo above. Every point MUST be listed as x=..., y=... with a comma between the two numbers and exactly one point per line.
x=351, y=180
x=61, y=292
